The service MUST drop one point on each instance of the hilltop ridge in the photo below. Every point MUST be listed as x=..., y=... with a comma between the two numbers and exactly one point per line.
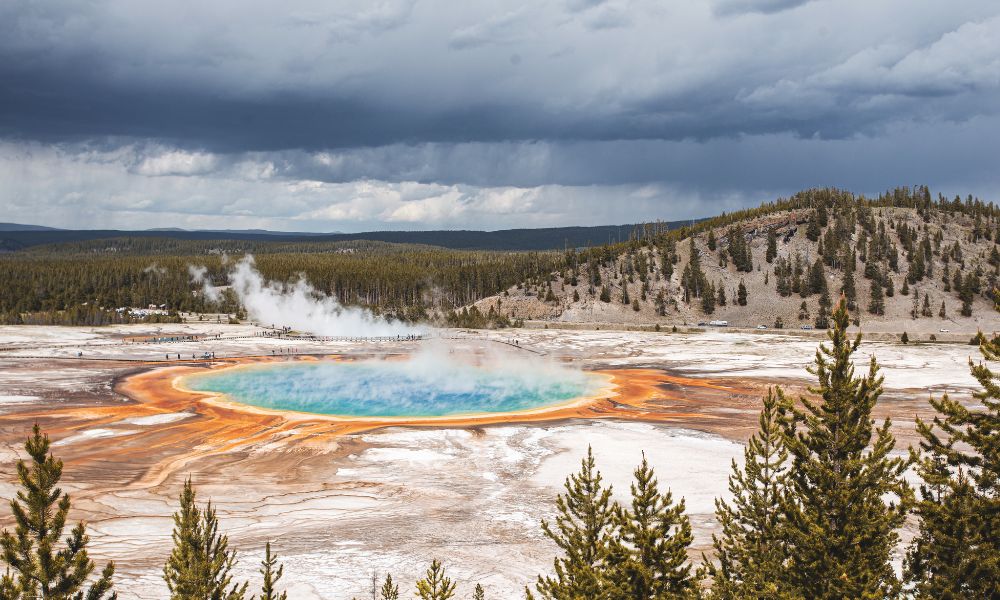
x=905, y=261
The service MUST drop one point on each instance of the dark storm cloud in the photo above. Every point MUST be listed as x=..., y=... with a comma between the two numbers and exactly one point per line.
x=730, y=7
x=725, y=101
x=191, y=89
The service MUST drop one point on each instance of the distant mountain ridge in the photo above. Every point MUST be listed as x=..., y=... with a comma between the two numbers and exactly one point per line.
x=22, y=227
x=549, y=238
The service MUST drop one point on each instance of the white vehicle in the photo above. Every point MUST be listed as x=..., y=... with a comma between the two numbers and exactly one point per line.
x=762, y=327
x=943, y=330
x=719, y=323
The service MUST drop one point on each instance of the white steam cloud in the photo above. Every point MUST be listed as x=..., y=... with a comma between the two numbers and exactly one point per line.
x=197, y=274
x=304, y=308
x=155, y=268
x=435, y=381
x=504, y=379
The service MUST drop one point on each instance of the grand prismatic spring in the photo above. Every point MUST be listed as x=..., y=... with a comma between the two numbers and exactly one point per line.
x=394, y=388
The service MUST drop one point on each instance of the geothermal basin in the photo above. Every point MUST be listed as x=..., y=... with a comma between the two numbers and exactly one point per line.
x=417, y=387
x=341, y=494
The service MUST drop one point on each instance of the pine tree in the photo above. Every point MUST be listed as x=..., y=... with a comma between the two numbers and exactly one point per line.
x=435, y=585
x=200, y=565
x=817, y=278
x=648, y=558
x=772, y=245
x=823, y=316
x=942, y=313
x=840, y=530
x=36, y=570
x=583, y=530
x=693, y=279
x=711, y=240
x=848, y=288
x=739, y=250
x=661, y=303
x=708, y=300
x=741, y=293
x=479, y=593
x=876, y=304
x=271, y=575
x=751, y=549
x=967, y=292
x=813, y=228
x=957, y=551
x=722, y=294
x=390, y=591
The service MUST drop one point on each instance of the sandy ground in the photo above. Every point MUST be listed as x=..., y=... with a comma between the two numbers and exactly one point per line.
x=340, y=502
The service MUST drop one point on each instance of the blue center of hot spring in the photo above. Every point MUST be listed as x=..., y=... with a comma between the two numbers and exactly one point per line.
x=396, y=388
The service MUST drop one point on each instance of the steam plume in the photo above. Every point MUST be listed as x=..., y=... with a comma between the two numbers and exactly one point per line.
x=304, y=308
x=198, y=276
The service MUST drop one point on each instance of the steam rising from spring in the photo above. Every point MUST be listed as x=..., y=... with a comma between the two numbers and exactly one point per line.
x=431, y=383
x=439, y=379
x=198, y=276
x=304, y=308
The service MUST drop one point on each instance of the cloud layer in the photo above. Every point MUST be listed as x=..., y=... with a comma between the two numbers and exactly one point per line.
x=359, y=114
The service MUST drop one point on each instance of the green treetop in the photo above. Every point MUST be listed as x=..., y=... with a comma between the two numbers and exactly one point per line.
x=751, y=550
x=957, y=551
x=390, y=591
x=846, y=495
x=37, y=570
x=200, y=565
x=583, y=530
x=271, y=571
x=649, y=556
x=435, y=585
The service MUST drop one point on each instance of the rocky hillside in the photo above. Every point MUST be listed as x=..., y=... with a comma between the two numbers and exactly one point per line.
x=905, y=262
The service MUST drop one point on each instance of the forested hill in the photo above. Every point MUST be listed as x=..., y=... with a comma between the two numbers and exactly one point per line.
x=906, y=261
x=551, y=238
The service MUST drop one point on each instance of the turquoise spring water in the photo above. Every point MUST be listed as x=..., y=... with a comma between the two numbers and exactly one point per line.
x=395, y=388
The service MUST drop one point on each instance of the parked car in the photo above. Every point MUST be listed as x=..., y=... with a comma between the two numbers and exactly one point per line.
x=943, y=330
x=762, y=327
x=807, y=327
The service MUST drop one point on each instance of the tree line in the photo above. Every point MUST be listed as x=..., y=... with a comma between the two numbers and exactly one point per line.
x=51, y=284
x=404, y=282
x=815, y=513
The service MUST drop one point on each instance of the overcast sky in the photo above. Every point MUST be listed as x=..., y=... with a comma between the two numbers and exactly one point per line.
x=321, y=115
